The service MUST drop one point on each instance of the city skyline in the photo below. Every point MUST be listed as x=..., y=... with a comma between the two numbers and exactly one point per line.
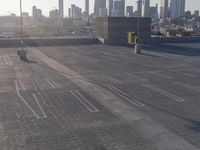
x=7, y=9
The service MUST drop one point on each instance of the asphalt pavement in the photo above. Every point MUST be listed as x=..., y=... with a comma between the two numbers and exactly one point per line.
x=100, y=97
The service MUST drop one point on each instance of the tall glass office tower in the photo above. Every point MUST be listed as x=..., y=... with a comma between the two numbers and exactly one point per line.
x=177, y=8
x=98, y=5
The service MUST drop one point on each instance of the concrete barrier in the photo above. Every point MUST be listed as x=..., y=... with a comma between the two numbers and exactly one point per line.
x=152, y=40
x=179, y=39
x=48, y=42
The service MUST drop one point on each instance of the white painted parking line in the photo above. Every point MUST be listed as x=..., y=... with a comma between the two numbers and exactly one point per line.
x=87, y=104
x=106, y=53
x=22, y=85
x=50, y=83
x=126, y=97
x=137, y=77
x=26, y=103
x=36, y=99
x=9, y=61
x=164, y=92
x=109, y=78
x=159, y=74
x=82, y=81
x=53, y=82
x=189, y=86
x=17, y=71
x=183, y=73
x=5, y=60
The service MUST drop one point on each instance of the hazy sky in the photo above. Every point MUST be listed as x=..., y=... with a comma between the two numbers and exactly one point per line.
x=12, y=6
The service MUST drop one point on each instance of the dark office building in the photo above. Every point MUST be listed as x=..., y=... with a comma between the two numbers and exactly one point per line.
x=97, y=5
x=119, y=6
x=87, y=7
x=110, y=7
x=116, y=28
x=129, y=11
x=61, y=9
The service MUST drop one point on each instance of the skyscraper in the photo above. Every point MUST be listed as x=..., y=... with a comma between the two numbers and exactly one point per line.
x=87, y=7
x=153, y=12
x=177, y=8
x=129, y=11
x=123, y=8
x=97, y=5
x=118, y=9
x=110, y=7
x=147, y=8
x=139, y=8
x=61, y=9
x=75, y=12
x=37, y=13
x=164, y=10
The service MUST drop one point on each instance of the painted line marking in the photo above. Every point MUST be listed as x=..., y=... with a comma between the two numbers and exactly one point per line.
x=183, y=73
x=26, y=103
x=9, y=61
x=87, y=104
x=126, y=97
x=22, y=85
x=106, y=53
x=109, y=78
x=50, y=83
x=195, y=88
x=134, y=76
x=164, y=92
x=36, y=99
x=159, y=74
x=17, y=71
x=82, y=81
x=5, y=60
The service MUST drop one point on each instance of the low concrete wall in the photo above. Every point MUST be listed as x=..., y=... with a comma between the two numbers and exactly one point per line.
x=179, y=39
x=153, y=40
x=48, y=42
x=125, y=42
x=113, y=42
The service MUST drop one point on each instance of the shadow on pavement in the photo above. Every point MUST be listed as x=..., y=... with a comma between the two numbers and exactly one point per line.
x=29, y=61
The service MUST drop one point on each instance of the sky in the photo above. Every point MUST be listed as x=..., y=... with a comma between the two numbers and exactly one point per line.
x=12, y=6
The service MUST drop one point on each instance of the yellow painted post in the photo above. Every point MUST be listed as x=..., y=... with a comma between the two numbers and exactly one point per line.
x=132, y=38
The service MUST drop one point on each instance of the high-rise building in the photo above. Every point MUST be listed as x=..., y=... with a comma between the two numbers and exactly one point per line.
x=34, y=11
x=54, y=15
x=196, y=13
x=110, y=7
x=75, y=12
x=61, y=9
x=87, y=7
x=129, y=11
x=37, y=13
x=177, y=8
x=164, y=10
x=153, y=12
x=97, y=5
x=139, y=8
x=103, y=12
x=118, y=8
x=147, y=8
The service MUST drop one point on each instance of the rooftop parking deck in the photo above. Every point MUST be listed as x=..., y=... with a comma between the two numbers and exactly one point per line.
x=100, y=97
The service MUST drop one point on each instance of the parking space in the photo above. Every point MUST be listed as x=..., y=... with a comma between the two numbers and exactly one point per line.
x=98, y=97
